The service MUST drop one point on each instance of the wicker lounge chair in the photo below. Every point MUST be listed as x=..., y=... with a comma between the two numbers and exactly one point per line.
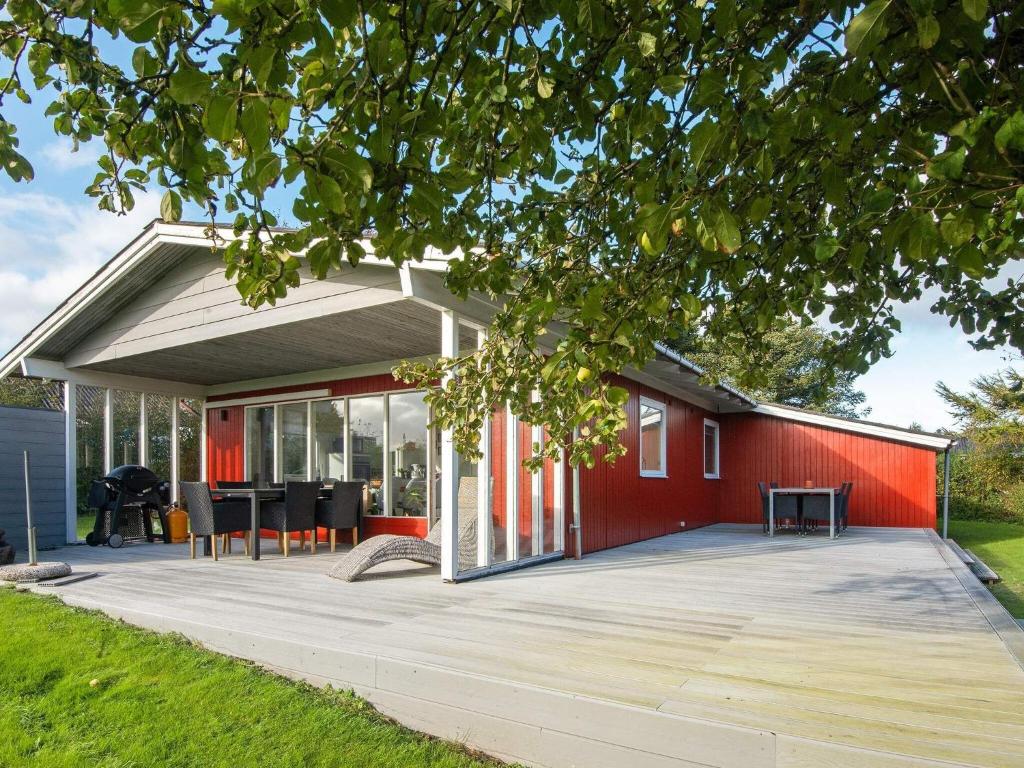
x=388, y=547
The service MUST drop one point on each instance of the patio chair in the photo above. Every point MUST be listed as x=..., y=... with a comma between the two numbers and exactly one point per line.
x=388, y=547
x=214, y=518
x=342, y=510
x=815, y=512
x=297, y=512
x=787, y=507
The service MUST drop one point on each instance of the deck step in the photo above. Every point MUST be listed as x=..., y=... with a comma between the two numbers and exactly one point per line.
x=982, y=571
x=960, y=552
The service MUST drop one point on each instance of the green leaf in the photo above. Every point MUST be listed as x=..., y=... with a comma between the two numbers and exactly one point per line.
x=328, y=191
x=590, y=15
x=545, y=87
x=970, y=260
x=825, y=248
x=975, y=9
x=1011, y=133
x=956, y=229
x=188, y=86
x=170, y=206
x=256, y=123
x=339, y=13
x=220, y=117
x=671, y=85
x=265, y=169
x=867, y=28
x=702, y=140
x=928, y=31
x=727, y=231
x=647, y=43
x=261, y=64
x=947, y=165
x=657, y=223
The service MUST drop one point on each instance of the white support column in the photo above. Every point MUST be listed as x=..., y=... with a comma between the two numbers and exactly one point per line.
x=386, y=456
x=71, y=461
x=485, y=531
x=347, y=443
x=278, y=437
x=108, y=430
x=143, y=451
x=559, y=500
x=511, y=485
x=537, y=492
x=577, y=513
x=449, y=462
x=175, y=448
x=310, y=456
x=203, y=448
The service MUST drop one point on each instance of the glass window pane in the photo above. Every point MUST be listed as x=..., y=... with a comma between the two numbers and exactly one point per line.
x=127, y=412
x=366, y=427
x=651, y=425
x=190, y=414
x=158, y=435
x=710, y=449
x=89, y=450
x=294, y=418
x=407, y=434
x=259, y=443
x=329, y=440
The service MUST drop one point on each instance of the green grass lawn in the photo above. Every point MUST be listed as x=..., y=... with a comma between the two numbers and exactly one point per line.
x=1001, y=546
x=79, y=689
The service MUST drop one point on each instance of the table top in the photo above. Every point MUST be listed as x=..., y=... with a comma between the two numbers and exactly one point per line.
x=802, y=490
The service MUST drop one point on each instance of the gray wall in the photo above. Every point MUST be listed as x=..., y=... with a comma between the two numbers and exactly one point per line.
x=42, y=434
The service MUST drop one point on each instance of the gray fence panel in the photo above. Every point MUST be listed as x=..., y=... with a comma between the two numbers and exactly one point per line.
x=42, y=434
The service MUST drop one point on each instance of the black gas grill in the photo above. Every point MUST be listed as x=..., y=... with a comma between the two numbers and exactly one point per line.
x=125, y=502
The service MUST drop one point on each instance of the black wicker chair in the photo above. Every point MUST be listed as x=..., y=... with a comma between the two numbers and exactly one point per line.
x=230, y=485
x=296, y=513
x=343, y=510
x=214, y=518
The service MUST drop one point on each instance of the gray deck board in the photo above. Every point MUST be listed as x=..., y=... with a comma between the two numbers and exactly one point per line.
x=713, y=647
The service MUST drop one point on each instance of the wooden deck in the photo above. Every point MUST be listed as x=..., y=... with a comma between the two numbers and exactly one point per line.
x=715, y=647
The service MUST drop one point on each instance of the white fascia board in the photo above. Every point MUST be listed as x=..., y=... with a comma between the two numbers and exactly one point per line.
x=51, y=369
x=935, y=442
x=137, y=250
x=426, y=286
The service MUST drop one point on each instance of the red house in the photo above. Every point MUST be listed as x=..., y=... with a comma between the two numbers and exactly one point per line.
x=164, y=367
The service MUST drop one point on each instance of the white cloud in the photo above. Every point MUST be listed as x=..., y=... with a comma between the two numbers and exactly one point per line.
x=61, y=156
x=49, y=247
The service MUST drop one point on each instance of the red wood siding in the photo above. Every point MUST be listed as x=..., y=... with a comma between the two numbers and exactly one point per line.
x=225, y=433
x=893, y=483
x=619, y=507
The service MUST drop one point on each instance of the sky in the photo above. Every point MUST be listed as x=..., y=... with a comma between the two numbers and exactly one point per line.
x=52, y=238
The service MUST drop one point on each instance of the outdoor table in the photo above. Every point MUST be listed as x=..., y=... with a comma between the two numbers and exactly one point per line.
x=830, y=492
x=255, y=496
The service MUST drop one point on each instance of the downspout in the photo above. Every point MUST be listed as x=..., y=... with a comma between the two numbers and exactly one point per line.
x=945, y=495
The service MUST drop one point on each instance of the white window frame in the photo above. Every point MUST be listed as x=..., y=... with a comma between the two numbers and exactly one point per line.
x=718, y=454
x=663, y=445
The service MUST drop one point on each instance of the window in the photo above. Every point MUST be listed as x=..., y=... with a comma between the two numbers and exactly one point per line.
x=366, y=432
x=710, y=449
x=293, y=441
x=127, y=412
x=653, y=421
x=329, y=440
x=158, y=435
x=407, y=437
x=259, y=441
x=190, y=419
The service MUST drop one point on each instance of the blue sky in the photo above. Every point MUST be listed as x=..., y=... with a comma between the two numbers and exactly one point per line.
x=52, y=238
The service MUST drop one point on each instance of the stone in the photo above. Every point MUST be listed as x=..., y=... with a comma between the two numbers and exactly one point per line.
x=37, y=572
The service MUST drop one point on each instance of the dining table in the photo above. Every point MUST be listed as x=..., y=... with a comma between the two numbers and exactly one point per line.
x=256, y=496
x=803, y=491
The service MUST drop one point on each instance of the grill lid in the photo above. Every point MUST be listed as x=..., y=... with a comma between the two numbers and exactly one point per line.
x=134, y=478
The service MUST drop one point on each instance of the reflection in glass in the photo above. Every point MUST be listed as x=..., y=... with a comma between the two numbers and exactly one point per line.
x=651, y=426
x=407, y=436
x=127, y=412
x=89, y=450
x=366, y=427
x=293, y=441
x=190, y=414
x=259, y=428
x=329, y=440
x=158, y=435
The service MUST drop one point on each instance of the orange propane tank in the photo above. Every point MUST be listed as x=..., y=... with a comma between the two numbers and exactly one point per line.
x=177, y=524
